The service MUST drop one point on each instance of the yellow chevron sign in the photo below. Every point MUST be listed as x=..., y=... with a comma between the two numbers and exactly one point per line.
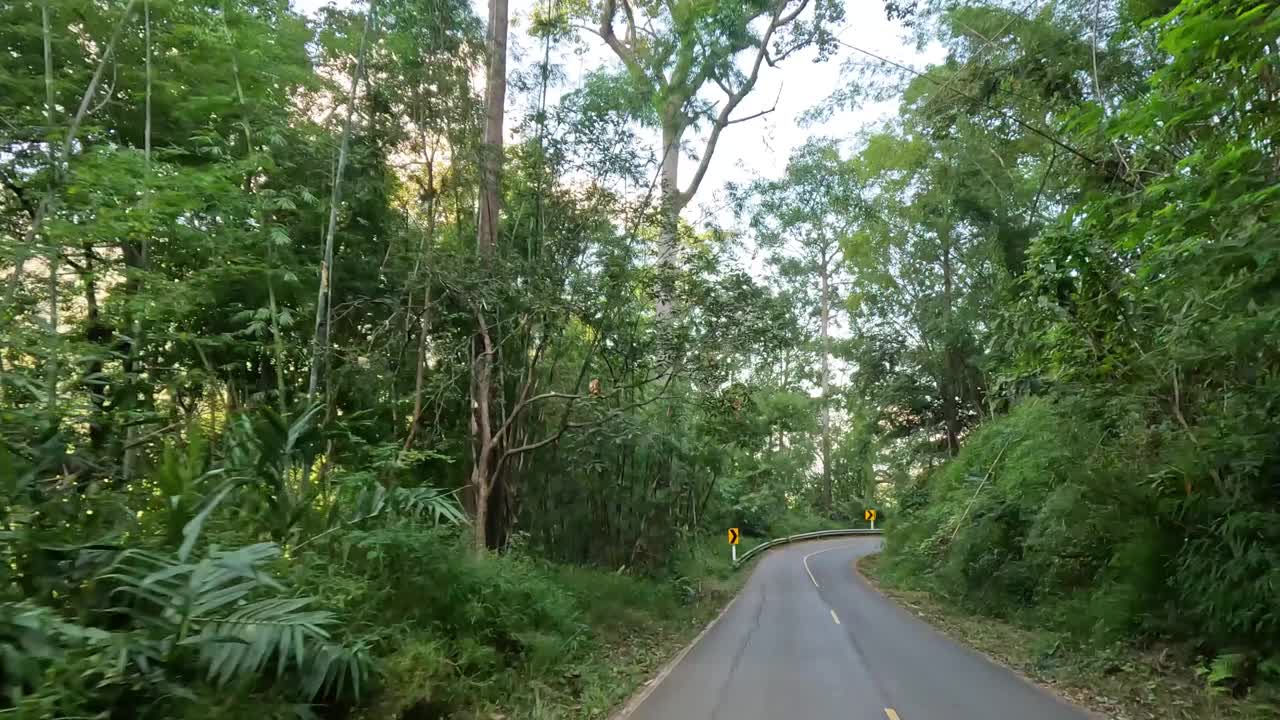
x=733, y=536
x=869, y=515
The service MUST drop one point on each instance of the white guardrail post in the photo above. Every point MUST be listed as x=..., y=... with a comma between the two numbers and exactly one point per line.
x=738, y=560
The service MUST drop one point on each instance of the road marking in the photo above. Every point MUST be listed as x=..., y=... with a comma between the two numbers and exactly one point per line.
x=805, y=560
x=835, y=617
x=892, y=715
x=647, y=689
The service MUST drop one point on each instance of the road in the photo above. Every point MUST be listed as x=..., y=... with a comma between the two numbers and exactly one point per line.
x=807, y=639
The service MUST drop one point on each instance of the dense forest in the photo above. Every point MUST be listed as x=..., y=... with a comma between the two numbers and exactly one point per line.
x=348, y=369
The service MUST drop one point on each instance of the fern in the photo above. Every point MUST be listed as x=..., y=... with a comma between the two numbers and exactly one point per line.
x=244, y=641
x=209, y=606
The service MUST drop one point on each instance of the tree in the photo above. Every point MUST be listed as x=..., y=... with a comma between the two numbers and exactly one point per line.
x=672, y=51
x=486, y=433
x=802, y=219
x=324, y=302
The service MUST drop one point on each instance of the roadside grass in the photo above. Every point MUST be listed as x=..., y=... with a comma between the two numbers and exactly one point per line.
x=514, y=637
x=1118, y=682
x=538, y=640
x=639, y=624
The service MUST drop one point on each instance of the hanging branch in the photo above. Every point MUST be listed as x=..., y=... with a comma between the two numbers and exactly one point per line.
x=985, y=478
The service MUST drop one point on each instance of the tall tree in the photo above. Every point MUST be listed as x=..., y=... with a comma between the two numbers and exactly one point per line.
x=802, y=219
x=486, y=433
x=324, y=300
x=672, y=51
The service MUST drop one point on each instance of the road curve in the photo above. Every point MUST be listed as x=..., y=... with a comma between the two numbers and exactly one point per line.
x=807, y=639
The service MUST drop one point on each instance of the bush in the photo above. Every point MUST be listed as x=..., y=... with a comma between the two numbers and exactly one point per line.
x=1061, y=512
x=1030, y=515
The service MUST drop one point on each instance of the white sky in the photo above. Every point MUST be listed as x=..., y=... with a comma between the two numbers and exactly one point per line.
x=758, y=148
x=754, y=149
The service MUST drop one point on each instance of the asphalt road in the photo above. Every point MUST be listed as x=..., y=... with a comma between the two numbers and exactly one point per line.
x=807, y=639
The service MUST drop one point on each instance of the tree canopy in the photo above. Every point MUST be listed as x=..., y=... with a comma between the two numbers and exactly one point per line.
x=288, y=301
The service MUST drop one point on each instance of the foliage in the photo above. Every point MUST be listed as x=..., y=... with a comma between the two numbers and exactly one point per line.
x=1057, y=263
x=213, y=508
x=1125, y=488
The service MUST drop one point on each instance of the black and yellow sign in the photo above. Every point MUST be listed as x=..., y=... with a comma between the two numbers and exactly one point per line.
x=869, y=515
x=733, y=536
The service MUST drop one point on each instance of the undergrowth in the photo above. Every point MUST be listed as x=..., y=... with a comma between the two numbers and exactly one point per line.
x=509, y=635
x=1061, y=517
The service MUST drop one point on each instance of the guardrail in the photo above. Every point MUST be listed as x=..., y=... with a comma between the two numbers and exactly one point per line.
x=802, y=536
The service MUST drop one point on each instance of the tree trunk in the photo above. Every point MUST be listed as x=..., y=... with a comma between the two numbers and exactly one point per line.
x=482, y=434
x=495, y=98
x=669, y=230
x=320, y=339
x=55, y=341
x=480, y=488
x=133, y=285
x=424, y=321
x=949, y=379
x=482, y=348
x=824, y=331
x=98, y=335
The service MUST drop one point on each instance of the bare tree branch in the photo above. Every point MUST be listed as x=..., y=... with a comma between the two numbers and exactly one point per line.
x=723, y=119
x=762, y=113
x=566, y=426
x=608, y=10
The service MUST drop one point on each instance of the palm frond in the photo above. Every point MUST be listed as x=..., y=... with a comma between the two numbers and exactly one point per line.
x=334, y=669
x=439, y=505
x=209, y=606
x=243, y=642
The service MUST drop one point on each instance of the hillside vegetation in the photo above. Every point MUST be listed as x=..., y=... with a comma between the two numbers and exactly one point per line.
x=1115, y=476
x=369, y=361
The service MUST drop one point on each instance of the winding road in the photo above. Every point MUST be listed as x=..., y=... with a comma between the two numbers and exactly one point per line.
x=808, y=639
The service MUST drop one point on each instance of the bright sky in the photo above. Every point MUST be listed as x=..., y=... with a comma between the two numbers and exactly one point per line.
x=758, y=148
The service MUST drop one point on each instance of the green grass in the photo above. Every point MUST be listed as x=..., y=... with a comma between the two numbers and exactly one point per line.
x=523, y=638
x=1121, y=682
x=511, y=636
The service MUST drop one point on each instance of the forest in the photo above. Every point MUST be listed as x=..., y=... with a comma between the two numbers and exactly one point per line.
x=360, y=362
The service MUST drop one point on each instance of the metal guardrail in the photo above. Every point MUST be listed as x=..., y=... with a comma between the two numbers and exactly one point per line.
x=802, y=536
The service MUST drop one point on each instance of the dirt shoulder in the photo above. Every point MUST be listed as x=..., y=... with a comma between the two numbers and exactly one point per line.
x=1118, y=683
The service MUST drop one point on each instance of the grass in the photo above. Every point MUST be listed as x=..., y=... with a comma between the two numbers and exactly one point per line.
x=1119, y=682
x=514, y=637
x=638, y=627
x=583, y=641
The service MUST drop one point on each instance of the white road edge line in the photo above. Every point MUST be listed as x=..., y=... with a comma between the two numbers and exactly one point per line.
x=805, y=560
x=835, y=617
x=637, y=699
x=892, y=715
x=647, y=689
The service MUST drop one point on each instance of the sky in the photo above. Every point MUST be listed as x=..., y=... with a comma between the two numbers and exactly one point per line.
x=755, y=149
x=760, y=147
